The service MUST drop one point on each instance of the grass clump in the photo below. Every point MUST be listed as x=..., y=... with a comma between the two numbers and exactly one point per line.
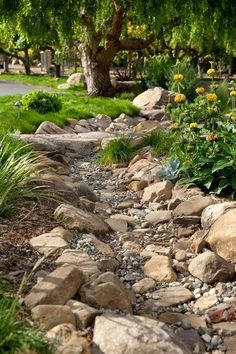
x=16, y=336
x=117, y=151
x=17, y=163
x=159, y=140
x=42, y=102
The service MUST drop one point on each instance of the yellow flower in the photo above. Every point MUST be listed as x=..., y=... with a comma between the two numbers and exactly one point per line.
x=211, y=97
x=233, y=118
x=213, y=86
x=212, y=136
x=211, y=72
x=200, y=90
x=180, y=97
x=178, y=77
x=193, y=125
x=174, y=126
x=233, y=93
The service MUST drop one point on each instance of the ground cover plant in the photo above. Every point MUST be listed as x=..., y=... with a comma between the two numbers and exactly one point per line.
x=41, y=101
x=205, y=140
x=160, y=140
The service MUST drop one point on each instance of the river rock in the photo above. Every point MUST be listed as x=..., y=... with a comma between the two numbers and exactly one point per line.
x=117, y=225
x=144, y=285
x=79, y=259
x=160, y=269
x=83, y=190
x=106, y=291
x=56, y=239
x=75, y=79
x=173, y=318
x=77, y=218
x=173, y=295
x=222, y=236
x=134, y=335
x=159, y=217
x=49, y=316
x=56, y=288
x=193, y=206
x=49, y=128
x=213, y=212
x=159, y=191
x=210, y=268
x=84, y=314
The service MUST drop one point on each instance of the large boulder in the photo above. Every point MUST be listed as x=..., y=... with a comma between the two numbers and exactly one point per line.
x=106, y=291
x=210, y=268
x=77, y=218
x=134, y=335
x=214, y=211
x=222, y=236
x=75, y=79
x=152, y=98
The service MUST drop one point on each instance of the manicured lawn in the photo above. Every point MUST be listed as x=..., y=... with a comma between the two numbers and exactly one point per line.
x=76, y=105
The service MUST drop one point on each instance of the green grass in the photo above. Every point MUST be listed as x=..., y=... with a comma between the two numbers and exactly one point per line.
x=117, y=151
x=16, y=335
x=34, y=79
x=73, y=107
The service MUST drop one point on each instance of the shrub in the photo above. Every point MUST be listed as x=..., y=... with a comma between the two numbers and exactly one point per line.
x=159, y=140
x=117, y=151
x=17, y=163
x=189, y=82
x=16, y=336
x=157, y=71
x=204, y=143
x=42, y=102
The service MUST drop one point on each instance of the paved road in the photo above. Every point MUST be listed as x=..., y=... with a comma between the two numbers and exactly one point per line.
x=14, y=88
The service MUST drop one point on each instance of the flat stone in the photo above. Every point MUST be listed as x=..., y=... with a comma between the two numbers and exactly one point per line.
x=134, y=335
x=117, y=225
x=225, y=327
x=193, y=206
x=77, y=218
x=49, y=316
x=56, y=288
x=127, y=218
x=84, y=314
x=160, y=269
x=55, y=239
x=170, y=296
x=159, y=217
x=174, y=317
x=100, y=246
x=221, y=312
x=205, y=302
x=79, y=259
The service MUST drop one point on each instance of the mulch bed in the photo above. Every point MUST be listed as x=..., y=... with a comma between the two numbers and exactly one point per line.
x=16, y=255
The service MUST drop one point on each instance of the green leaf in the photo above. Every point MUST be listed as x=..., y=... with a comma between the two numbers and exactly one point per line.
x=221, y=164
x=222, y=185
x=234, y=182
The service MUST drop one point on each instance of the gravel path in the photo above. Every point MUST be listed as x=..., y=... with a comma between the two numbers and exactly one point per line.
x=14, y=88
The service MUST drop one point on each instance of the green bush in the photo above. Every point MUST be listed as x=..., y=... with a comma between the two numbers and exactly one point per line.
x=205, y=145
x=189, y=83
x=42, y=102
x=16, y=335
x=117, y=151
x=17, y=163
x=157, y=71
x=159, y=140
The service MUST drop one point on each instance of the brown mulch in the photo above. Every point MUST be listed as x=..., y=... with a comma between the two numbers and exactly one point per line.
x=16, y=254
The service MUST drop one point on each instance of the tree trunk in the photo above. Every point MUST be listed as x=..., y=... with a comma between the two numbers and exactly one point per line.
x=58, y=70
x=96, y=74
x=6, y=64
x=26, y=62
